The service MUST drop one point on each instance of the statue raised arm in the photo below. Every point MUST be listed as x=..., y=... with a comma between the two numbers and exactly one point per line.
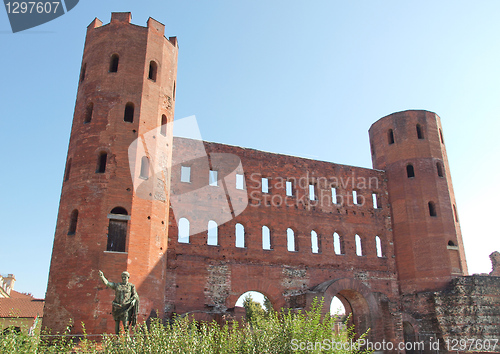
x=125, y=306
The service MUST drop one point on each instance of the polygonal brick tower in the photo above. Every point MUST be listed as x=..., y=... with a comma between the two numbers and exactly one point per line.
x=126, y=89
x=429, y=251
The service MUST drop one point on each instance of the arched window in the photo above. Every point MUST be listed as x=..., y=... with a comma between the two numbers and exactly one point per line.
x=163, y=128
x=212, y=239
x=314, y=242
x=101, y=162
x=88, y=113
x=68, y=170
x=338, y=244
x=240, y=236
x=266, y=238
x=334, y=195
x=144, y=167
x=359, y=248
x=420, y=132
x=119, y=211
x=378, y=245
x=117, y=230
x=153, y=68
x=440, y=169
x=390, y=137
x=113, y=63
x=432, y=209
x=128, y=116
x=82, y=72
x=375, y=200
x=183, y=236
x=290, y=240
x=410, y=171
x=451, y=243
x=72, y=222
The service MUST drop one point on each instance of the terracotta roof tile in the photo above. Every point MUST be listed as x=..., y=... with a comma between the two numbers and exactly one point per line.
x=21, y=307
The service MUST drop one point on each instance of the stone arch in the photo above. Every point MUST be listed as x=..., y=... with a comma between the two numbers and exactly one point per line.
x=266, y=287
x=357, y=299
x=410, y=328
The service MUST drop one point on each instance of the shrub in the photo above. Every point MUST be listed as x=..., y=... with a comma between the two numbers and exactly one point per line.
x=265, y=332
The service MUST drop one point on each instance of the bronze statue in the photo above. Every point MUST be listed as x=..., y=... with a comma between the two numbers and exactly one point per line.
x=126, y=302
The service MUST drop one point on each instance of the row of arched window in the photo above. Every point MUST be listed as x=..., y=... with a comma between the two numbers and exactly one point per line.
x=292, y=246
x=102, y=160
x=117, y=228
x=419, y=131
x=410, y=170
x=113, y=68
x=128, y=113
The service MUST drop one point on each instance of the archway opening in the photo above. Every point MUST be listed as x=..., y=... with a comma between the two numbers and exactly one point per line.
x=251, y=304
x=409, y=336
x=340, y=309
x=350, y=305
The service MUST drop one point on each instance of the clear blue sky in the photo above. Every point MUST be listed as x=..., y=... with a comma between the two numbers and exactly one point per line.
x=293, y=77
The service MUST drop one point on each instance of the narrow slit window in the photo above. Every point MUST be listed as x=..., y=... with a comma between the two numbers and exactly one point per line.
x=378, y=245
x=312, y=191
x=186, y=174
x=113, y=63
x=440, y=169
x=183, y=236
x=240, y=236
x=153, y=69
x=441, y=136
x=128, y=115
x=173, y=92
x=420, y=132
x=212, y=239
x=240, y=181
x=314, y=242
x=338, y=244
x=72, y=222
x=376, y=204
x=355, y=197
x=334, y=195
x=144, y=167
x=83, y=72
x=212, y=178
x=455, y=213
x=432, y=209
x=289, y=188
x=359, y=249
x=410, y=171
x=101, y=162
x=266, y=238
x=290, y=240
x=390, y=136
x=163, y=128
x=68, y=169
x=117, y=230
x=89, y=110
x=265, y=185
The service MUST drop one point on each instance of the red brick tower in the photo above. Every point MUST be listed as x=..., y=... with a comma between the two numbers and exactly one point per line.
x=409, y=146
x=108, y=220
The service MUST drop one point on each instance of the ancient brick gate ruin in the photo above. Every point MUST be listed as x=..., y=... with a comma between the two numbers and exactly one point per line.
x=197, y=224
